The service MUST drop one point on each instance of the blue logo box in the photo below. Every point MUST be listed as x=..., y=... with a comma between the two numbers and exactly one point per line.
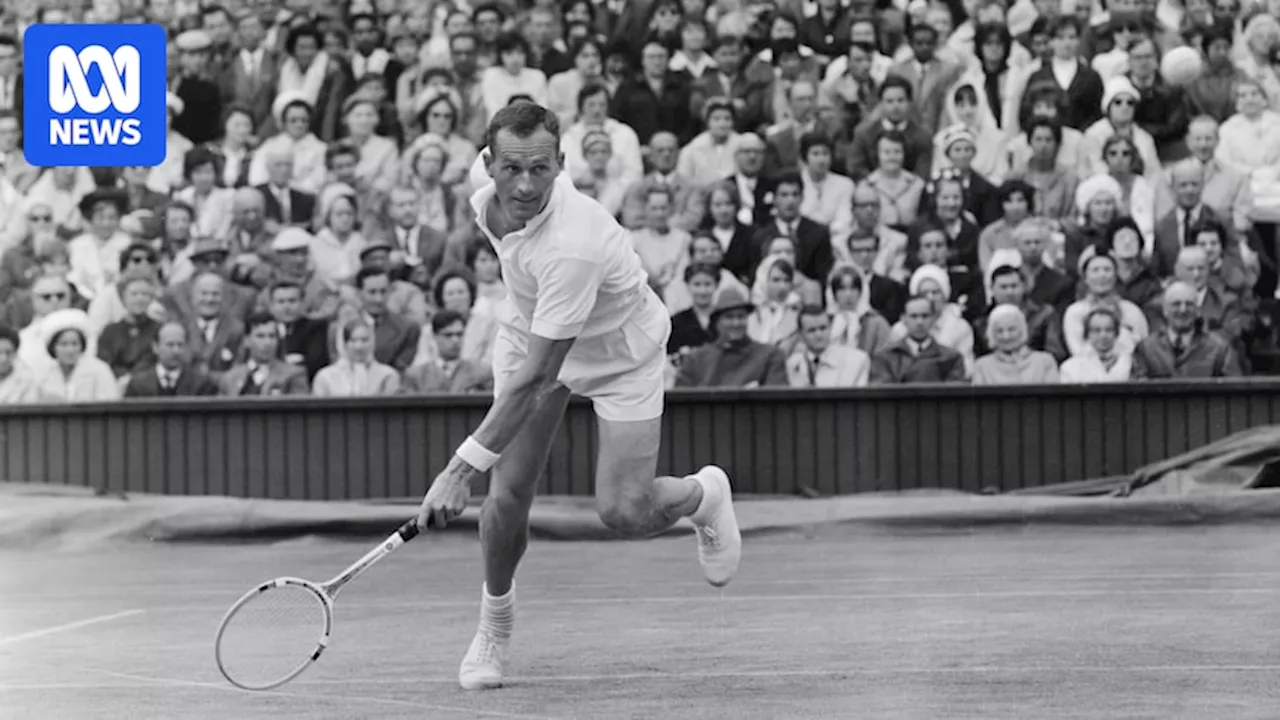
x=94, y=95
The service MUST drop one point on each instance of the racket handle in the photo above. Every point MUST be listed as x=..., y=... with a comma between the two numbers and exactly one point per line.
x=410, y=529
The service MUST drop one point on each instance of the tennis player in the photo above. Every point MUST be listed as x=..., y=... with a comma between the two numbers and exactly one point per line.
x=579, y=317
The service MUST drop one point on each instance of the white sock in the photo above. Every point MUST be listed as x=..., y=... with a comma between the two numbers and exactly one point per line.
x=498, y=612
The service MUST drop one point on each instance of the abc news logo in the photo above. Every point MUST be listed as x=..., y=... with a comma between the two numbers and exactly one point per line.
x=121, y=90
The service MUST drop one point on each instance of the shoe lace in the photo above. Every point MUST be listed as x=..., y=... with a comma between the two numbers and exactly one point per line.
x=488, y=651
x=709, y=537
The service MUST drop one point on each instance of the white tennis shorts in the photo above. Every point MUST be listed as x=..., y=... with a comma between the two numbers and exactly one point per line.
x=622, y=371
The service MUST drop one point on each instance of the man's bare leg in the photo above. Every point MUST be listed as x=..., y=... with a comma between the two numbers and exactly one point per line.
x=504, y=536
x=635, y=503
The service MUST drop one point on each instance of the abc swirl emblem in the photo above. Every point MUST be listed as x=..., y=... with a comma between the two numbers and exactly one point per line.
x=94, y=95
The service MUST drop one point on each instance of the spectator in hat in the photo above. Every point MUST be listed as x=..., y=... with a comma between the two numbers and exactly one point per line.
x=403, y=297
x=319, y=80
x=173, y=374
x=201, y=99
x=294, y=144
x=290, y=261
x=74, y=375
x=95, y=254
x=109, y=307
x=1119, y=105
x=251, y=78
x=732, y=359
x=208, y=255
x=29, y=313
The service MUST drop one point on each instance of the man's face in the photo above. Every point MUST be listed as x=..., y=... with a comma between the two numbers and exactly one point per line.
x=918, y=317
x=803, y=101
x=263, y=342
x=664, y=153
x=404, y=208
x=1180, y=308
x=1031, y=245
x=1193, y=269
x=728, y=57
x=933, y=249
x=786, y=201
x=541, y=29
x=171, y=347
x=653, y=61
x=463, y=52
x=293, y=262
x=251, y=32
x=449, y=341
x=923, y=42
x=524, y=171
x=280, y=170
x=286, y=305
x=866, y=208
x=658, y=212
x=895, y=104
x=8, y=134
x=720, y=124
x=863, y=252
x=343, y=168
x=859, y=64
x=1008, y=289
x=1186, y=187
x=816, y=331
x=49, y=294
x=488, y=25
x=750, y=159
x=206, y=297
x=374, y=294
x=1066, y=44
x=218, y=25
x=364, y=33
x=732, y=325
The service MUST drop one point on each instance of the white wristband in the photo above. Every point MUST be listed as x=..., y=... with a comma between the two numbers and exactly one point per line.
x=476, y=455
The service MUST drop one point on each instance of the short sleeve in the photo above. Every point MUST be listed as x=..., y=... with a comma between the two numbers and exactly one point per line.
x=567, y=291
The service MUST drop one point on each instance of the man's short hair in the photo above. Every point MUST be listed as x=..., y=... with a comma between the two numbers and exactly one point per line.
x=257, y=320
x=1003, y=271
x=369, y=272
x=444, y=319
x=522, y=119
x=895, y=81
x=813, y=311
x=284, y=285
x=789, y=178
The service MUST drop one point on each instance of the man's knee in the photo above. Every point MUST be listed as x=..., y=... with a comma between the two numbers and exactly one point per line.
x=627, y=516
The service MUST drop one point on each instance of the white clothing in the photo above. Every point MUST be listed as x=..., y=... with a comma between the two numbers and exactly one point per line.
x=572, y=272
x=1089, y=369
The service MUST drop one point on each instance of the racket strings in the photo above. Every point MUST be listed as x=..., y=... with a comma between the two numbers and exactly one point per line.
x=270, y=638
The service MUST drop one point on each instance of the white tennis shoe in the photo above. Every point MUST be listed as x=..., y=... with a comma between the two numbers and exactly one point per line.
x=482, y=667
x=719, y=539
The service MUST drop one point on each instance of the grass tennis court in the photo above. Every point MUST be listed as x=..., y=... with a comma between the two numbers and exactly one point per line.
x=1038, y=622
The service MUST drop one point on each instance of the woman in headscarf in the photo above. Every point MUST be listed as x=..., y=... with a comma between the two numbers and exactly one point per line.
x=1101, y=290
x=356, y=373
x=320, y=80
x=775, y=320
x=808, y=290
x=607, y=189
x=1119, y=105
x=969, y=123
x=75, y=375
x=292, y=113
x=854, y=323
x=1097, y=205
x=336, y=247
x=950, y=328
x=1106, y=361
x=1011, y=361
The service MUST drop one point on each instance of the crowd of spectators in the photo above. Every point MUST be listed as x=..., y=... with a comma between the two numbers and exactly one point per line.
x=826, y=193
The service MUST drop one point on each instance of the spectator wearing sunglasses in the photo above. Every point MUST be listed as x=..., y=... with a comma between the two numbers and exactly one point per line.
x=1119, y=106
x=109, y=307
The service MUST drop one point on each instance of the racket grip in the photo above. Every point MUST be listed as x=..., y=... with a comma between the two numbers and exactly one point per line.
x=410, y=529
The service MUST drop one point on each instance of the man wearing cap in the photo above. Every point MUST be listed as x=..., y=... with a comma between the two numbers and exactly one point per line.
x=208, y=256
x=290, y=261
x=201, y=118
x=403, y=297
x=733, y=359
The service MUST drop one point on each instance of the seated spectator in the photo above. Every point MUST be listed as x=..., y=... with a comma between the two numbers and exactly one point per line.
x=403, y=298
x=703, y=250
x=292, y=112
x=357, y=373
x=899, y=189
x=20, y=263
x=929, y=244
x=212, y=204
x=1016, y=199
x=1185, y=348
x=946, y=208
x=483, y=262
x=774, y=320
x=51, y=304
x=336, y=247
x=564, y=88
x=456, y=290
x=18, y=385
x=284, y=201
x=448, y=372
x=595, y=181
x=947, y=325
x=889, y=260
x=172, y=374
x=1105, y=362
x=75, y=375
x=828, y=198
x=663, y=250
x=1135, y=280
x=395, y=339
x=126, y=346
x=108, y=307
x=1137, y=192
x=1011, y=361
x=511, y=76
x=440, y=206
x=1175, y=230
x=971, y=133
x=625, y=163
x=708, y=158
x=1046, y=171
x=753, y=187
x=1119, y=106
x=441, y=113
x=291, y=262
x=691, y=327
x=1100, y=290
x=1226, y=271
x=377, y=164
x=816, y=362
x=855, y=322
x=1097, y=207
x=917, y=357
x=1220, y=310
x=263, y=373
x=893, y=115
x=304, y=341
x=1046, y=286
x=734, y=236
x=807, y=289
x=733, y=360
x=95, y=254
x=811, y=242
x=979, y=204
x=690, y=208
x=1009, y=287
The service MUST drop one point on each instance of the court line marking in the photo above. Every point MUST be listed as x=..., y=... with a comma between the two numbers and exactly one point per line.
x=144, y=681
x=192, y=589
x=57, y=629
x=520, y=681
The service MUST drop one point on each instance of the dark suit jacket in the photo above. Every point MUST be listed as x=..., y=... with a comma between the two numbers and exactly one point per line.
x=888, y=297
x=930, y=93
x=749, y=92
x=395, y=341
x=310, y=339
x=191, y=383
x=1208, y=356
x=1084, y=97
x=764, y=188
x=201, y=118
x=126, y=345
x=302, y=207
x=467, y=377
x=1167, y=246
x=783, y=145
x=255, y=93
x=237, y=301
x=895, y=365
x=430, y=244
x=918, y=156
x=282, y=379
x=749, y=363
x=814, y=256
x=218, y=356
x=687, y=332
x=1054, y=289
x=637, y=105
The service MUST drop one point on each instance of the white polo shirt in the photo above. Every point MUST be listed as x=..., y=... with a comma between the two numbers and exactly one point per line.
x=571, y=271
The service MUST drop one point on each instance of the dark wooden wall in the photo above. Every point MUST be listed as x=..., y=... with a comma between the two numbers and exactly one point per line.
x=771, y=441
